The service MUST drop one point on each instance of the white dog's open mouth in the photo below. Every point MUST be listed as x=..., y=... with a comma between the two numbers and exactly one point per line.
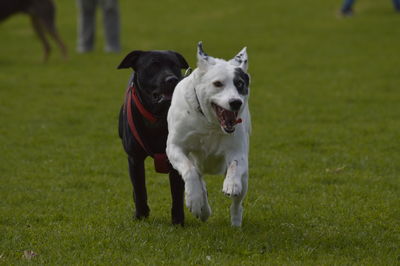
x=227, y=119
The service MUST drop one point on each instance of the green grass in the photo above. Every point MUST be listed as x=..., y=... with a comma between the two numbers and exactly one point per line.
x=324, y=162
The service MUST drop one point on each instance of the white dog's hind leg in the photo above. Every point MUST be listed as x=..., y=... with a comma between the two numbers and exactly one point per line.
x=232, y=184
x=236, y=207
x=206, y=209
x=235, y=186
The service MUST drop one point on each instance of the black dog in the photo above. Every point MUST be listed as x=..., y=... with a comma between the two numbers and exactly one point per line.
x=42, y=14
x=143, y=124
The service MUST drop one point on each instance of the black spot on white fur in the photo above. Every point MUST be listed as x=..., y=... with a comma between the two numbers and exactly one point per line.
x=201, y=51
x=238, y=58
x=241, y=81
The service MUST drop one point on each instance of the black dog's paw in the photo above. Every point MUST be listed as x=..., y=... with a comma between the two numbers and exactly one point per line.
x=178, y=222
x=142, y=214
x=178, y=217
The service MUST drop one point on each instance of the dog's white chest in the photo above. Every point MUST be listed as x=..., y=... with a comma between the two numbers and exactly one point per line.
x=207, y=153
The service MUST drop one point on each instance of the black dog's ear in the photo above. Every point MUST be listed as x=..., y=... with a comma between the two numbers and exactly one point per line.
x=181, y=60
x=130, y=60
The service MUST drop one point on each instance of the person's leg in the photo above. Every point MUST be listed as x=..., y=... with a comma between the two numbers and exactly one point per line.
x=86, y=25
x=347, y=7
x=111, y=25
x=396, y=4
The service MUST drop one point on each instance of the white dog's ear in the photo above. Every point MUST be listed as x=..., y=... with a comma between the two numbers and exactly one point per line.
x=240, y=60
x=203, y=59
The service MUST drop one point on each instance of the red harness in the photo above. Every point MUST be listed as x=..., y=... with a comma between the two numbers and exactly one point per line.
x=161, y=163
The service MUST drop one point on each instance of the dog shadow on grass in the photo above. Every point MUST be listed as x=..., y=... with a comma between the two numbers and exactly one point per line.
x=272, y=233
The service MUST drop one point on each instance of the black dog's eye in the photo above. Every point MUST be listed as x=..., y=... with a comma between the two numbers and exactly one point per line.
x=218, y=84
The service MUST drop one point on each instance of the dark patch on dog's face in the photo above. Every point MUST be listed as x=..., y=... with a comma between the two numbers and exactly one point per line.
x=241, y=81
x=156, y=75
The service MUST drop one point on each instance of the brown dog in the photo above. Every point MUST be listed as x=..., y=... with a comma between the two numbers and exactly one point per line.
x=42, y=14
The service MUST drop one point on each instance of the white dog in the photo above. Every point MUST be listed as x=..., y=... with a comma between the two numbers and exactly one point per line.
x=209, y=127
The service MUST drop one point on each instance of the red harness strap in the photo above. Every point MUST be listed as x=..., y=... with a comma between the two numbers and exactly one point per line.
x=161, y=163
x=149, y=116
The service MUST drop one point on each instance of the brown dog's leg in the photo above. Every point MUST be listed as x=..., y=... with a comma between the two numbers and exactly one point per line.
x=39, y=31
x=53, y=33
x=49, y=25
x=44, y=14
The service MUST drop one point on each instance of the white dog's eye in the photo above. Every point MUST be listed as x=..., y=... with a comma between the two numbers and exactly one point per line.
x=218, y=84
x=239, y=84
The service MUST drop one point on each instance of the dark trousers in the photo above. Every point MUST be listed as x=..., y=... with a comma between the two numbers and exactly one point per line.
x=87, y=27
x=348, y=5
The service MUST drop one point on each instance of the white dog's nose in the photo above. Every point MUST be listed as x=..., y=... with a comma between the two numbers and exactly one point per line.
x=235, y=104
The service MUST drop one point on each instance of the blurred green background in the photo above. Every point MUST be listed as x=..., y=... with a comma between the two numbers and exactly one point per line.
x=324, y=160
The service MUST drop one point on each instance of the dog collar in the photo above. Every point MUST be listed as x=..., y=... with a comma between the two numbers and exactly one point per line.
x=187, y=72
x=198, y=103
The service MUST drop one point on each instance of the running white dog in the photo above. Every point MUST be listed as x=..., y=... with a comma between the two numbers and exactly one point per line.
x=209, y=127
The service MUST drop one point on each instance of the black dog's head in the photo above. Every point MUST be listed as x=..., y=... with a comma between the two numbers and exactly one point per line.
x=156, y=75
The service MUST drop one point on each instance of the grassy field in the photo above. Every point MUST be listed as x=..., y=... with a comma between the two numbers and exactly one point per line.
x=324, y=183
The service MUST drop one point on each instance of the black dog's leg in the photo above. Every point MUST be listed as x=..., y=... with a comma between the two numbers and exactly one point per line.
x=177, y=192
x=137, y=174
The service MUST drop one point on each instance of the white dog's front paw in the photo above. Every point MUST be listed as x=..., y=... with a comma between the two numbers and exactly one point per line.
x=232, y=188
x=206, y=211
x=196, y=201
x=199, y=206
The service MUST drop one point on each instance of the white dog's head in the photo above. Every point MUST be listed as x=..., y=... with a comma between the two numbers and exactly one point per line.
x=222, y=88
